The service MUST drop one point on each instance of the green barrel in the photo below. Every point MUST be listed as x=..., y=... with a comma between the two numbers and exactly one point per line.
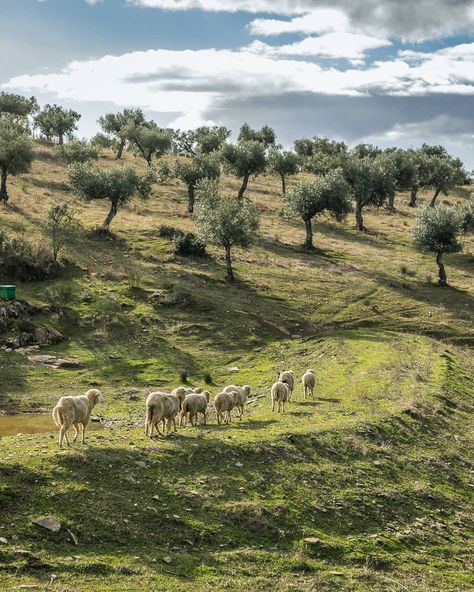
x=8, y=292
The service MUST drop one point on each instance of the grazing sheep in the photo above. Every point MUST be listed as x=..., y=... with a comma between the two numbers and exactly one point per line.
x=197, y=390
x=181, y=393
x=280, y=394
x=193, y=404
x=155, y=406
x=309, y=382
x=224, y=403
x=76, y=412
x=171, y=408
x=242, y=394
x=287, y=378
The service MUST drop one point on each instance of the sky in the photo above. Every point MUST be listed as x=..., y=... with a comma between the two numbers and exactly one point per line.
x=388, y=72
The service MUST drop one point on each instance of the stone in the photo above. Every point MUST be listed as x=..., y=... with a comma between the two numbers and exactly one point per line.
x=49, y=523
x=3, y=541
x=312, y=540
x=36, y=335
x=167, y=560
x=56, y=362
x=233, y=369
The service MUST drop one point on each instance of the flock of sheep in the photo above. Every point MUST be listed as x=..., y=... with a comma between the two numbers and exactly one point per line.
x=164, y=408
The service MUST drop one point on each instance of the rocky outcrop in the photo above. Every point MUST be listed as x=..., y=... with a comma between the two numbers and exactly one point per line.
x=35, y=335
x=13, y=311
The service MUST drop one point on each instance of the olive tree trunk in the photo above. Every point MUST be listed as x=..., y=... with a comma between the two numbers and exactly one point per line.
x=110, y=216
x=308, y=244
x=413, y=196
x=243, y=188
x=283, y=185
x=191, y=198
x=359, y=219
x=391, y=203
x=435, y=197
x=443, y=280
x=228, y=260
x=61, y=139
x=3, y=186
x=120, y=150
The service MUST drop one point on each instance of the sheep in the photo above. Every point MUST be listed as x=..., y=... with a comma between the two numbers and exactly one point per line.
x=287, y=378
x=309, y=382
x=181, y=393
x=171, y=407
x=241, y=398
x=224, y=403
x=155, y=408
x=75, y=411
x=280, y=394
x=193, y=404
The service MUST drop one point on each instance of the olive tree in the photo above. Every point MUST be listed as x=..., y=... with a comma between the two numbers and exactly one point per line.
x=444, y=174
x=371, y=182
x=118, y=185
x=17, y=106
x=326, y=195
x=203, y=140
x=60, y=226
x=56, y=122
x=149, y=140
x=192, y=170
x=437, y=231
x=76, y=151
x=223, y=221
x=245, y=159
x=283, y=163
x=115, y=125
x=16, y=152
x=320, y=155
x=265, y=135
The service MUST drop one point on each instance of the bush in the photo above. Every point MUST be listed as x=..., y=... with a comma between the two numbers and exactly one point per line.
x=25, y=261
x=184, y=375
x=167, y=232
x=59, y=298
x=188, y=243
x=207, y=377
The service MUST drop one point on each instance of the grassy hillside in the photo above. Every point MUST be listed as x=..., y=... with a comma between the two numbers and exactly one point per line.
x=377, y=467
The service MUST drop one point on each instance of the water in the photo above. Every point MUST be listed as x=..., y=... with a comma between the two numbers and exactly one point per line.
x=11, y=425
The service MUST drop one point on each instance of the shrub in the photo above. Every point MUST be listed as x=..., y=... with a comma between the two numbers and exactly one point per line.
x=207, y=377
x=25, y=261
x=59, y=297
x=184, y=375
x=188, y=243
x=167, y=232
x=60, y=227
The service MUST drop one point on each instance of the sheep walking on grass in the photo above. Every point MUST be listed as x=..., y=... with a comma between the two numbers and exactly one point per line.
x=309, y=382
x=155, y=408
x=171, y=408
x=287, y=378
x=224, y=403
x=242, y=394
x=193, y=404
x=280, y=394
x=76, y=412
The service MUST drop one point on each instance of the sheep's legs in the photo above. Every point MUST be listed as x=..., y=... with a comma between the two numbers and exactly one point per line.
x=83, y=433
x=273, y=404
x=62, y=432
x=76, y=431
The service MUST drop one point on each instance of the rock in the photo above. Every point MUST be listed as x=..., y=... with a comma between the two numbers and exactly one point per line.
x=312, y=540
x=36, y=335
x=49, y=523
x=167, y=560
x=233, y=369
x=56, y=362
x=239, y=465
x=14, y=310
x=3, y=541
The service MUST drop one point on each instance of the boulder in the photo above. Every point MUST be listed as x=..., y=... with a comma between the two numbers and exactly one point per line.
x=49, y=523
x=36, y=335
x=56, y=362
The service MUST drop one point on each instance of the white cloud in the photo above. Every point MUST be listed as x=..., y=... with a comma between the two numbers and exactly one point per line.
x=322, y=20
x=190, y=84
x=332, y=45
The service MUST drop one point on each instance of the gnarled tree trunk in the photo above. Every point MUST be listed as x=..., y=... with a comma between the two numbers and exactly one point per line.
x=308, y=244
x=391, y=203
x=413, y=196
x=443, y=280
x=110, y=216
x=228, y=260
x=435, y=196
x=283, y=184
x=3, y=186
x=359, y=219
x=243, y=187
x=120, y=150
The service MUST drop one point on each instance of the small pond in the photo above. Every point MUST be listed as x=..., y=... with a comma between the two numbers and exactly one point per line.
x=11, y=425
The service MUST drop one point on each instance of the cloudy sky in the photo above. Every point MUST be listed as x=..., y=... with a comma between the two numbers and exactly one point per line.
x=391, y=72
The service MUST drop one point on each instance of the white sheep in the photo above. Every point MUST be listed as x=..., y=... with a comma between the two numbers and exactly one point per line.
x=155, y=406
x=280, y=394
x=242, y=394
x=181, y=393
x=171, y=408
x=193, y=404
x=76, y=412
x=287, y=378
x=309, y=382
x=224, y=403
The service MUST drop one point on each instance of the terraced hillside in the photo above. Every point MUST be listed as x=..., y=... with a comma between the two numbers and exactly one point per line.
x=376, y=470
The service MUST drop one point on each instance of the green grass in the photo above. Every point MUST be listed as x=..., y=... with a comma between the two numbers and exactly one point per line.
x=378, y=466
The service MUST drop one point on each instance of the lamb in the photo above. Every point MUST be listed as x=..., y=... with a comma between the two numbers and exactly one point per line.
x=309, y=382
x=193, y=404
x=155, y=408
x=171, y=407
x=287, y=378
x=224, y=403
x=75, y=411
x=181, y=393
x=242, y=394
x=280, y=394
